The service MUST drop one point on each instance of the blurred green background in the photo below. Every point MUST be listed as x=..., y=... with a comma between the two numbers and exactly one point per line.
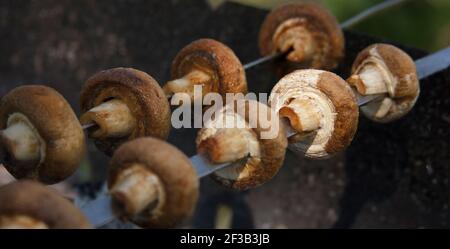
x=422, y=24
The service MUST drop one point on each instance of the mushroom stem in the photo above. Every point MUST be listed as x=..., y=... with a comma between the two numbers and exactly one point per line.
x=21, y=139
x=303, y=115
x=21, y=222
x=135, y=189
x=292, y=35
x=228, y=145
x=187, y=83
x=369, y=80
x=112, y=118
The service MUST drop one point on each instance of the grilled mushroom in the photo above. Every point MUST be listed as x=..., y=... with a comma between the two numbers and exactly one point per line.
x=41, y=137
x=320, y=107
x=253, y=139
x=153, y=184
x=124, y=104
x=387, y=70
x=309, y=35
x=208, y=63
x=30, y=205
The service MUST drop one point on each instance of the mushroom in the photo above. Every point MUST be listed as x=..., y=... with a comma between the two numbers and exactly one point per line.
x=40, y=137
x=308, y=33
x=208, y=63
x=124, y=104
x=254, y=140
x=152, y=183
x=320, y=107
x=30, y=205
x=387, y=70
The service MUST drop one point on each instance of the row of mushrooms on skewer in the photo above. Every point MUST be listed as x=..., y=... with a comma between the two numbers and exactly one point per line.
x=127, y=114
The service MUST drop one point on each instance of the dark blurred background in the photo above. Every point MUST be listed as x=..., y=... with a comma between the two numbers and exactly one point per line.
x=392, y=176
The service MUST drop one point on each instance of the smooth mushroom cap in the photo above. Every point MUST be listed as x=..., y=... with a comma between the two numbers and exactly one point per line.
x=261, y=145
x=403, y=84
x=140, y=92
x=322, y=25
x=217, y=60
x=338, y=111
x=34, y=200
x=175, y=172
x=57, y=125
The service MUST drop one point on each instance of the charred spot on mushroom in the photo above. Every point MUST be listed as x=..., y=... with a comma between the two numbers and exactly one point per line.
x=309, y=35
x=321, y=107
x=208, y=63
x=385, y=69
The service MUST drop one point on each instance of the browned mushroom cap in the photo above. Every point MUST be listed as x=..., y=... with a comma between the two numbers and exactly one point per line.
x=154, y=173
x=252, y=137
x=321, y=107
x=129, y=104
x=28, y=204
x=311, y=32
x=208, y=63
x=385, y=69
x=41, y=136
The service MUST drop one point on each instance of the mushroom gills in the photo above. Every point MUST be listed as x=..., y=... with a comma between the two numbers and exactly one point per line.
x=21, y=222
x=22, y=140
x=113, y=119
x=293, y=35
x=135, y=190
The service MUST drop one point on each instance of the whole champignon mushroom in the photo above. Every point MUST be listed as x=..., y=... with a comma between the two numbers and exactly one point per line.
x=385, y=69
x=255, y=140
x=29, y=205
x=41, y=137
x=321, y=107
x=208, y=63
x=152, y=183
x=124, y=104
x=309, y=34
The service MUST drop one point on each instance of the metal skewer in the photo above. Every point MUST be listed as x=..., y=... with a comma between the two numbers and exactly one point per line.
x=347, y=24
x=99, y=211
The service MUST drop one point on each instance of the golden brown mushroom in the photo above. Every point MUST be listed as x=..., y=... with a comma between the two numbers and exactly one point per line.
x=385, y=69
x=30, y=205
x=152, y=183
x=124, y=104
x=308, y=33
x=321, y=107
x=255, y=142
x=41, y=137
x=208, y=63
